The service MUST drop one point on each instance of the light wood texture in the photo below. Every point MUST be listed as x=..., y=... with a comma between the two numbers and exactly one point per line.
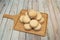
x=12, y=12
x=52, y=7
x=6, y=29
x=3, y=21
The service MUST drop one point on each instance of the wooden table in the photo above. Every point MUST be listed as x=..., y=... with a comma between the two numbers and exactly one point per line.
x=13, y=7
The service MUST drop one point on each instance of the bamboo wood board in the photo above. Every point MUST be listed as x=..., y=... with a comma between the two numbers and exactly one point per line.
x=19, y=26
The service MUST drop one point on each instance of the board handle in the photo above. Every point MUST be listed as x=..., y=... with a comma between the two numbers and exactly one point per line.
x=8, y=16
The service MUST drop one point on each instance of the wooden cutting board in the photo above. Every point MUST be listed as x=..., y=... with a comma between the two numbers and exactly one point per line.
x=19, y=26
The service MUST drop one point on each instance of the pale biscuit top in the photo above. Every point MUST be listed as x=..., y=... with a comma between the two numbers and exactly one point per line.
x=26, y=19
x=21, y=18
x=27, y=27
x=39, y=16
x=32, y=13
x=38, y=27
x=42, y=20
x=33, y=23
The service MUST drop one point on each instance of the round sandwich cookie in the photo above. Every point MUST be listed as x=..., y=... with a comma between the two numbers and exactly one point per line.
x=38, y=27
x=26, y=19
x=42, y=20
x=33, y=23
x=21, y=18
x=39, y=16
x=27, y=26
x=32, y=13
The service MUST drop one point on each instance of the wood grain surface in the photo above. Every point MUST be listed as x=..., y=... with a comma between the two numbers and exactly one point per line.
x=12, y=7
